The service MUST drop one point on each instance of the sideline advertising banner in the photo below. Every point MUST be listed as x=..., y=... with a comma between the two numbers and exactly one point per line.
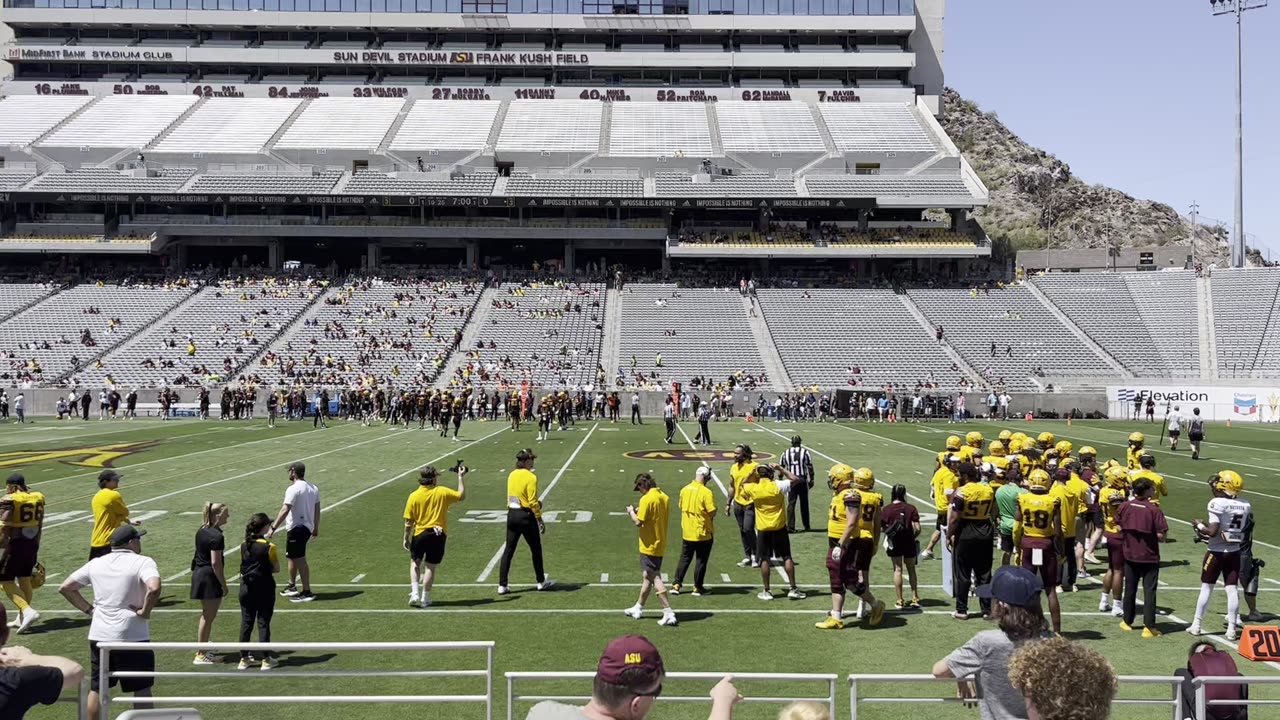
x=1217, y=403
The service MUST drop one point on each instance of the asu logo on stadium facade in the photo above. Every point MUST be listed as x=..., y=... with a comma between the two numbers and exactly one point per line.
x=97, y=456
x=699, y=456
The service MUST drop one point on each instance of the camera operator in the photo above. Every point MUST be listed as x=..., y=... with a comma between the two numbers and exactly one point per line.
x=426, y=525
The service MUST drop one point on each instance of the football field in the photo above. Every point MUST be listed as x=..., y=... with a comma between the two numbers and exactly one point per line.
x=360, y=571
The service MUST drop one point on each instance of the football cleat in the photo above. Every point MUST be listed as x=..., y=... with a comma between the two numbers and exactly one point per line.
x=877, y=613
x=1150, y=632
x=634, y=612
x=830, y=623
x=764, y=595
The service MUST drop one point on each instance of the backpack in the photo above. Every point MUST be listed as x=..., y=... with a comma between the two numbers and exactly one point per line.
x=1208, y=661
x=895, y=527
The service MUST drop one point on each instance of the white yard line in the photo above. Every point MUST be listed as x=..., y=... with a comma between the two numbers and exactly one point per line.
x=723, y=490
x=357, y=578
x=50, y=438
x=179, y=576
x=819, y=453
x=493, y=561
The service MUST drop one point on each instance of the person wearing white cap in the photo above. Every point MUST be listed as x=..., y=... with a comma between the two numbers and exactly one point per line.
x=697, y=530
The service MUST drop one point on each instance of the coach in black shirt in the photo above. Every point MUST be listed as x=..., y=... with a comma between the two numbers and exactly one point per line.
x=27, y=680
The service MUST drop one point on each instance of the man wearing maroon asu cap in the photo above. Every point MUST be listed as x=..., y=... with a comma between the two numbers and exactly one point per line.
x=628, y=682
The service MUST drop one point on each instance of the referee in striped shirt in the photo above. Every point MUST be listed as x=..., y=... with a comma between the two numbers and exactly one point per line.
x=797, y=461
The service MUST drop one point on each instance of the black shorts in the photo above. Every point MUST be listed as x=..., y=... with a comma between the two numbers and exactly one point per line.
x=1006, y=542
x=205, y=585
x=295, y=547
x=1194, y=436
x=18, y=559
x=650, y=565
x=942, y=520
x=123, y=661
x=773, y=543
x=427, y=546
x=97, y=551
x=1174, y=434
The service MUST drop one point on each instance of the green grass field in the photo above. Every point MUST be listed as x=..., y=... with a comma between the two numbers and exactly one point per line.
x=360, y=571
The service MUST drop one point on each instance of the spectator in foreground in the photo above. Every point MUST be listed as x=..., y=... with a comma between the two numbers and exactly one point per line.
x=628, y=682
x=1051, y=674
x=27, y=679
x=1015, y=593
x=804, y=711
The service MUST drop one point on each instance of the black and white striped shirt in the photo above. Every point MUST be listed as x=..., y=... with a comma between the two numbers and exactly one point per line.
x=797, y=461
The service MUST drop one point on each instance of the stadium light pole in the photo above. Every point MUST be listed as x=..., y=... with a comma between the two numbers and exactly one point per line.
x=1238, y=8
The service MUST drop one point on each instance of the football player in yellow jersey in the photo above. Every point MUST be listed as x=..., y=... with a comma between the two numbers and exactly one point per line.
x=972, y=442
x=1064, y=448
x=953, y=447
x=855, y=513
x=943, y=484
x=742, y=471
x=21, y=523
x=1005, y=436
x=1045, y=441
x=971, y=531
x=999, y=459
x=426, y=528
x=1091, y=474
x=1136, y=441
x=1037, y=533
x=1147, y=469
x=651, y=516
x=1109, y=499
x=1070, y=500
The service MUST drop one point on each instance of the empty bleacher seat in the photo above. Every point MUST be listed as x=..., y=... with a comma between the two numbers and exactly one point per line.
x=574, y=185
x=477, y=183
x=349, y=123
x=767, y=127
x=23, y=118
x=108, y=180
x=876, y=127
x=739, y=185
x=868, y=186
x=1246, y=312
x=226, y=125
x=551, y=126
x=713, y=336
x=121, y=121
x=650, y=129
x=266, y=184
x=446, y=126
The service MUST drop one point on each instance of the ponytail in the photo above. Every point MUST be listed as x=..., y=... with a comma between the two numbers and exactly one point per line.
x=211, y=512
x=257, y=525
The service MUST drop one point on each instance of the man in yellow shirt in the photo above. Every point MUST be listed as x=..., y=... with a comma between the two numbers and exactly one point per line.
x=742, y=472
x=1147, y=469
x=944, y=483
x=697, y=530
x=524, y=520
x=769, y=497
x=1070, y=502
x=109, y=513
x=21, y=524
x=426, y=528
x=650, y=516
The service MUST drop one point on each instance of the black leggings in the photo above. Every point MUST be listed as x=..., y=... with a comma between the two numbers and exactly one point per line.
x=257, y=604
x=691, y=549
x=521, y=524
x=1149, y=575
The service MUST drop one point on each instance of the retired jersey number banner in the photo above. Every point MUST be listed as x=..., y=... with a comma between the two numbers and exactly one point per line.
x=1216, y=403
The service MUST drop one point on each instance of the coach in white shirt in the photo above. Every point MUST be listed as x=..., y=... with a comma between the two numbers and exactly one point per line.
x=300, y=515
x=126, y=587
x=1174, y=420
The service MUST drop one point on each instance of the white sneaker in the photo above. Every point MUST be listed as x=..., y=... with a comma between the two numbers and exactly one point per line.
x=424, y=604
x=1194, y=629
x=926, y=555
x=546, y=584
x=744, y=562
x=796, y=594
x=244, y=664
x=755, y=563
x=503, y=589
x=1233, y=634
x=414, y=601
x=290, y=591
x=29, y=618
x=16, y=621
x=668, y=619
x=270, y=663
x=205, y=659
x=1103, y=606
x=1117, y=610
x=634, y=612
x=764, y=595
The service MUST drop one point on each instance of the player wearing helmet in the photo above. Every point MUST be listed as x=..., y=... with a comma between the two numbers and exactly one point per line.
x=972, y=443
x=971, y=523
x=1136, y=441
x=1045, y=441
x=1005, y=436
x=943, y=484
x=853, y=536
x=999, y=461
x=21, y=524
x=953, y=447
x=1110, y=498
x=1037, y=533
x=1229, y=515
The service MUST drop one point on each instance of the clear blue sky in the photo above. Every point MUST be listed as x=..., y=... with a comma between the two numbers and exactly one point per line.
x=1135, y=94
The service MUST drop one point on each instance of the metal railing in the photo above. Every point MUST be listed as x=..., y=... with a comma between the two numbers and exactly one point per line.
x=829, y=679
x=105, y=649
x=1174, y=684
x=81, y=699
x=1203, y=703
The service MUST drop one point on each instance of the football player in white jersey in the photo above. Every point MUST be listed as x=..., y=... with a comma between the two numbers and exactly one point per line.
x=1229, y=515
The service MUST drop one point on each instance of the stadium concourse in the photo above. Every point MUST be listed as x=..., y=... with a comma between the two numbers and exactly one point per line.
x=359, y=573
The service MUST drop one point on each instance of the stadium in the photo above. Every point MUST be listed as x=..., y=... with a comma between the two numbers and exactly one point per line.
x=243, y=234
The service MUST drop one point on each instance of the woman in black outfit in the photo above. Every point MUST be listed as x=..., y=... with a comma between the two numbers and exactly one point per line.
x=208, y=576
x=259, y=563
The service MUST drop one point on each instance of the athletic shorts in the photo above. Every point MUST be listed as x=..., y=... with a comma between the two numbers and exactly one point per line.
x=1248, y=573
x=773, y=543
x=1006, y=542
x=295, y=547
x=18, y=559
x=842, y=573
x=1095, y=517
x=942, y=520
x=427, y=546
x=650, y=565
x=123, y=661
x=1221, y=564
x=1048, y=569
x=1194, y=436
x=1115, y=551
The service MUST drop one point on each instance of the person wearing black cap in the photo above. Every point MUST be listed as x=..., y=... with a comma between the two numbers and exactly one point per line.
x=21, y=522
x=300, y=515
x=524, y=520
x=1014, y=594
x=126, y=587
x=109, y=513
x=971, y=532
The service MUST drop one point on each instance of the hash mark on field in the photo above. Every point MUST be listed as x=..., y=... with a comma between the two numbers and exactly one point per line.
x=357, y=578
x=184, y=573
x=724, y=577
x=604, y=578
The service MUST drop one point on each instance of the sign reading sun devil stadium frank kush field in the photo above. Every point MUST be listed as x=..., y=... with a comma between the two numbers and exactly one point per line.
x=1216, y=403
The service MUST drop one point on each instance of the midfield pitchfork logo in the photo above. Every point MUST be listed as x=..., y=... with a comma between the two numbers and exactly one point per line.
x=100, y=456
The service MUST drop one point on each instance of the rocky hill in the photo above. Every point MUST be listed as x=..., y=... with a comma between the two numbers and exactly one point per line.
x=1031, y=190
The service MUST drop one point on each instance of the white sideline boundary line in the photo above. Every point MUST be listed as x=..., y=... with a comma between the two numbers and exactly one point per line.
x=441, y=607
x=78, y=436
x=604, y=584
x=493, y=561
x=211, y=483
x=819, y=453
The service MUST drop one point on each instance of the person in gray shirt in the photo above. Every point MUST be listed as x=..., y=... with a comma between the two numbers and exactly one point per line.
x=985, y=658
x=628, y=682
